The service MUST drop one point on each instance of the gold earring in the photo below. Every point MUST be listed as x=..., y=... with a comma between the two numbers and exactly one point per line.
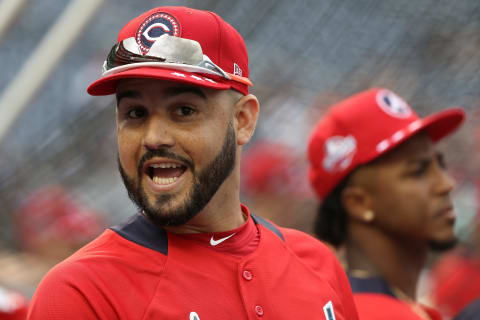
x=368, y=216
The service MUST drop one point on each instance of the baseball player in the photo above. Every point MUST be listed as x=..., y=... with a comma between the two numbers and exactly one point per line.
x=385, y=196
x=193, y=251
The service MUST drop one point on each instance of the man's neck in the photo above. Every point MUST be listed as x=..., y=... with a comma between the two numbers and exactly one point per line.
x=398, y=262
x=222, y=213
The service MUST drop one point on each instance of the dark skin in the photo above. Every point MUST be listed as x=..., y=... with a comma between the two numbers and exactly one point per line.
x=399, y=205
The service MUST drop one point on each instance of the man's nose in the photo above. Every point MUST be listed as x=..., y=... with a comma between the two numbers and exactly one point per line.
x=158, y=135
x=445, y=183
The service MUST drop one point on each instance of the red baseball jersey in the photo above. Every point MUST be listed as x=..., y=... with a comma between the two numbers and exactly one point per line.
x=138, y=271
x=455, y=282
x=375, y=301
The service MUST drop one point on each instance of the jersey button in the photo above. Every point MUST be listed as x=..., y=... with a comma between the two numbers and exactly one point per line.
x=259, y=310
x=247, y=275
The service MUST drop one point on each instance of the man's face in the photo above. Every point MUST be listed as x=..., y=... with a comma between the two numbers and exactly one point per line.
x=176, y=146
x=410, y=194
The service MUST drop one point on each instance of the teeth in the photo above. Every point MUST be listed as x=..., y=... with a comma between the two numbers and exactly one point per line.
x=165, y=165
x=164, y=181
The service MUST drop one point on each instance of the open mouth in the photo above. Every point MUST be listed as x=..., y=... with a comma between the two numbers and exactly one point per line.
x=164, y=173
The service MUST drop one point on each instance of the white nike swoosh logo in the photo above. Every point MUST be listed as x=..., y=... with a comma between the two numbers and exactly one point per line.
x=214, y=242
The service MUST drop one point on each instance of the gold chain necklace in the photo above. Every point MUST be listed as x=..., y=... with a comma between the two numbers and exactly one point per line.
x=415, y=306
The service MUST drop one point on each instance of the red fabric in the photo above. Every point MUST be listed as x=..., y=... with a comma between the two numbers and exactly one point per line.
x=363, y=127
x=219, y=41
x=114, y=278
x=373, y=306
x=455, y=283
x=245, y=238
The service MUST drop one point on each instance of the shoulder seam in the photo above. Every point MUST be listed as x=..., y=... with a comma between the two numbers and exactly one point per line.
x=267, y=224
x=139, y=231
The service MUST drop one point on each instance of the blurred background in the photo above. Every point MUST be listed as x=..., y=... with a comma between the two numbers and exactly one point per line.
x=59, y=185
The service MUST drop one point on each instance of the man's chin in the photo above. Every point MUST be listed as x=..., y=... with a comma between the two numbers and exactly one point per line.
x=166, y=220
x=163, y=210
x=442, y=245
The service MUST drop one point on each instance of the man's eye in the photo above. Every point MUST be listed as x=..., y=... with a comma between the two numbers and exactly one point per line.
x=441, y=161
x=420, y=169
x=185, y=111
x=136, y=113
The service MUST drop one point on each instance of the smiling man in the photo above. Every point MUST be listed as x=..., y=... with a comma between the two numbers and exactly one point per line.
x=193, y=251
x=177, y=147
x=386, y=196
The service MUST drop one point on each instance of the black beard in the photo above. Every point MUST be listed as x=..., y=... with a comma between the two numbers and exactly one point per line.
x=441, y=246
x=205, y=184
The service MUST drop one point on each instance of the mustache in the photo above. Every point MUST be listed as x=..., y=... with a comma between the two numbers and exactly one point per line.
x=163, y=153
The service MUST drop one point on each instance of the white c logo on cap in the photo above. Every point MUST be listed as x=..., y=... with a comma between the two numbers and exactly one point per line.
x=165, y=29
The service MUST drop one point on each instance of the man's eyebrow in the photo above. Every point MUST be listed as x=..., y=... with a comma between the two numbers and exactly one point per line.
x=175, y=91
x=423, y=158
x=169, y=93
x=127, y=94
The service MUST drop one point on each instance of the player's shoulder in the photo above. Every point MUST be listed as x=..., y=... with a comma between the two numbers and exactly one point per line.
x=304, y=246
x=96, y=273
x=288, y=235
x=314, y=255
x=134, y=240
x=109, y=253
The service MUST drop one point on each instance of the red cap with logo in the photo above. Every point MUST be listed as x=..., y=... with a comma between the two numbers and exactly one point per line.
x=362, y=128
x=177, y=44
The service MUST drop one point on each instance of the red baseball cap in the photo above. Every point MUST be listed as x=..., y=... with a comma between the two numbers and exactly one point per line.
x=177, y=44
x=266, y=167
x=51, y=214
x=362, y=128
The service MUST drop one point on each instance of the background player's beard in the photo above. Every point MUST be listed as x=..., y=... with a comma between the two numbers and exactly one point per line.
x=205, y=185
x=440, y=246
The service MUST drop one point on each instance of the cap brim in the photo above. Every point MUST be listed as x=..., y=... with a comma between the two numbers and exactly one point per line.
x=108, y=84
x=443, y=123
x=437, y=126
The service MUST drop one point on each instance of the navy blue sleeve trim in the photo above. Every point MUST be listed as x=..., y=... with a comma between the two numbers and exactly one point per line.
x=141, y=231
x=267, y=224
x=369, y=285
x=470, y=312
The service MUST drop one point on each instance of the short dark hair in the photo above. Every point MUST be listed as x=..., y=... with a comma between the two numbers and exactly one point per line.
x=331, y=222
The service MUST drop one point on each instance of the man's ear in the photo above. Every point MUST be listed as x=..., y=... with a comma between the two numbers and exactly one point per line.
x=357, y=204
x=245, y=117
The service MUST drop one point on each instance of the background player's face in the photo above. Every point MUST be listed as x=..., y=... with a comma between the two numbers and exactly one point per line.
x=176, y=146
x=410, y=193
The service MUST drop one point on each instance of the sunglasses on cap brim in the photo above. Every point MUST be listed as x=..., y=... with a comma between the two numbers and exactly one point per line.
x=166, y=52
